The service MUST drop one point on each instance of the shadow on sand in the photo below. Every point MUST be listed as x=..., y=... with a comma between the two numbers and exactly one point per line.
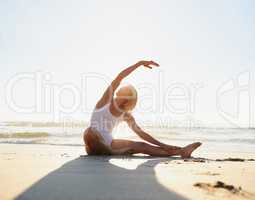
x=93, y=177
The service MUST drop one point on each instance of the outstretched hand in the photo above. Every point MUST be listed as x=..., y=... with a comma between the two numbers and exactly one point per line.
x=148, y=64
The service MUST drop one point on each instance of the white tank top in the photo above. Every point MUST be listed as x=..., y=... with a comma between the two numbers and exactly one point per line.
x=103, y=121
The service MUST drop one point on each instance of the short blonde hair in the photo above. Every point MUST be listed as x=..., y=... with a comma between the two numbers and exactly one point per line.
x=128, y=92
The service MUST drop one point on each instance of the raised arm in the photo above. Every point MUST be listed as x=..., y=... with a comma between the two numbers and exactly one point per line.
x=108, y=94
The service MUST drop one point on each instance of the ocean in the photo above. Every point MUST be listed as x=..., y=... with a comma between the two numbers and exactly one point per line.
x=240, y=140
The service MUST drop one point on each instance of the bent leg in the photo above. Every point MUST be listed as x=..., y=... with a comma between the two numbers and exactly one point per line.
x=94, y=144
x=133, y=147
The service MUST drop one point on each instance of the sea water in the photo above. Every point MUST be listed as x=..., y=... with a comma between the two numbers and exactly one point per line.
x=240, y=140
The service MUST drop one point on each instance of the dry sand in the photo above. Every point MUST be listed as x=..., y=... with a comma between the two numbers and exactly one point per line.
x=58, y=172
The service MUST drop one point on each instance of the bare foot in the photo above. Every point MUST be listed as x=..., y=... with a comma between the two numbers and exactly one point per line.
x=187, y=151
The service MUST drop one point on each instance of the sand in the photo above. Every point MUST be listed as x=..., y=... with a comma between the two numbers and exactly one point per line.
x=32, y=171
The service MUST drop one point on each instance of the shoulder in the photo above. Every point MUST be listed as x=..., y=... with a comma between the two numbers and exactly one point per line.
x=101, y=107
x=100, y=104
x=128, y=117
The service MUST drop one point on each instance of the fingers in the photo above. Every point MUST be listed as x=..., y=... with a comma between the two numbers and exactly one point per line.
x=148, y=66
x=154, y=63
x=151, y=63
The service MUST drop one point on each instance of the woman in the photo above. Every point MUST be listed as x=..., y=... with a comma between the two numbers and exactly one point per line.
x=110, y=110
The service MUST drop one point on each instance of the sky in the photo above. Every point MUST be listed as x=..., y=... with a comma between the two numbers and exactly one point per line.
x=57, y=58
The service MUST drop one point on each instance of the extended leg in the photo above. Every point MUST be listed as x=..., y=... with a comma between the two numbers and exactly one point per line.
x=120, y=146
x=133, y=147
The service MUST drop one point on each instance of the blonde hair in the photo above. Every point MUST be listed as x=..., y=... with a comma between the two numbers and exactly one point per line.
x=129, y=93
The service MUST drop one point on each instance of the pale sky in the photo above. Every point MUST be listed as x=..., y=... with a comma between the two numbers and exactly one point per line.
x=205, y=49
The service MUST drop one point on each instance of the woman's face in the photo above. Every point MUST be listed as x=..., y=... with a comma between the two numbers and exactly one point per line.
x=129, y=105
x=125, y=105
x=127, y=98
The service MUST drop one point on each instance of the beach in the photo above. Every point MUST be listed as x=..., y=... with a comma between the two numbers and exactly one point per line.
x=41, y=171
x=173, y=74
